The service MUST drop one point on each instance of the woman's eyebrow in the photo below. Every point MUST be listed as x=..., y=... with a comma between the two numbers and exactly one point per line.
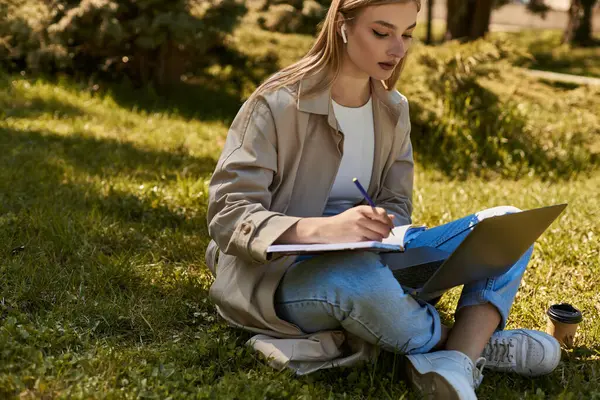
x=392, y=26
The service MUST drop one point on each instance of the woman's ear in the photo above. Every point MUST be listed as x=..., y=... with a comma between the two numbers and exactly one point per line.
x=341, y=27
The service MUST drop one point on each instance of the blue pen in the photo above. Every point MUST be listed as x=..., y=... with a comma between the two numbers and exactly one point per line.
x=366, y=196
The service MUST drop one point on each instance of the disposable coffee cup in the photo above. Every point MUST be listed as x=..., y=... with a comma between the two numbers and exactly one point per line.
x=563, y=320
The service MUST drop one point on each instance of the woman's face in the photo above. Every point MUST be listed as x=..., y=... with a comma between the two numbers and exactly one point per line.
x=379, y=37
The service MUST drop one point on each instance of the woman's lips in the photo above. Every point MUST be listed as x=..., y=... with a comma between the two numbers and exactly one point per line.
x=387, y=66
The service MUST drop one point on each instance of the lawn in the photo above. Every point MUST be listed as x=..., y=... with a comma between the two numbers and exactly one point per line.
x=103, y=287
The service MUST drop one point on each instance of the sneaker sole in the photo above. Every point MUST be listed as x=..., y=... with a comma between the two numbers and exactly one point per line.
x=431, y=385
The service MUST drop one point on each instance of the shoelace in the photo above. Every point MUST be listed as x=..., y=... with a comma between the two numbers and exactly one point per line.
x=499, y=351
x=477, y=371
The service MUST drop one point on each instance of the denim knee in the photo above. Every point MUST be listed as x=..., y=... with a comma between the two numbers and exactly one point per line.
x=378, y=309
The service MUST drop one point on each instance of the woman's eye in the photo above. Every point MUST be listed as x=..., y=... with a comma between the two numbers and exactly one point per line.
x=407, y=36
x=379, y=34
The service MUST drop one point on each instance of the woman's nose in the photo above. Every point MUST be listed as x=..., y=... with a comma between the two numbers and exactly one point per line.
x=398, y=49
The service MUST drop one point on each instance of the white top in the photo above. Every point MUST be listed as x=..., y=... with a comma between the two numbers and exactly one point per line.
x=357, y=161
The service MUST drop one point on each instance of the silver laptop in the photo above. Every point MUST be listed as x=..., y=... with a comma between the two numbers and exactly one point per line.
x=492, y=247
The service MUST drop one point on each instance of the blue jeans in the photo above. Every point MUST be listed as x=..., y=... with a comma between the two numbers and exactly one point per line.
x=354, y=291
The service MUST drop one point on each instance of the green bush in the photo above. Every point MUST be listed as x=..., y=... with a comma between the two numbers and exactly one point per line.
x=147, y=40
x=464, y=124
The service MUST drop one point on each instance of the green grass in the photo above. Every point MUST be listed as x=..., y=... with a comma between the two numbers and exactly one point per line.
x=103, y=287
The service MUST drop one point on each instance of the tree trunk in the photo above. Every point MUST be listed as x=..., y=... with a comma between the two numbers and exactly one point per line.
x=579, y=27
x=456, y=21
x=480, y=24
x=468, y=19
x=430, y=4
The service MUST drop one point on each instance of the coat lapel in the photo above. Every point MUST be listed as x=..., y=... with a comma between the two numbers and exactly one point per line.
x=386, y=115
x=379, y=131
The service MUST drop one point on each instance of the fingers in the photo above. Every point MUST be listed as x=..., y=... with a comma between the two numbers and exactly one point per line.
x=378, y=214
x=387, y=218
x=370, y=235
x=373, y=224
x=392, y=216
x=372, y=228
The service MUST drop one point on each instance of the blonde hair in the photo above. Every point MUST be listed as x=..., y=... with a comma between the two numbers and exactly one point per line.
x=326, y=53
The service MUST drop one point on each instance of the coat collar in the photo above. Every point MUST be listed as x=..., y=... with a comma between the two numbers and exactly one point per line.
x=320, y=102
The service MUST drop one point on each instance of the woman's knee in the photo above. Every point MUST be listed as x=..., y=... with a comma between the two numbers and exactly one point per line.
x=496, y=211
x=366, y=287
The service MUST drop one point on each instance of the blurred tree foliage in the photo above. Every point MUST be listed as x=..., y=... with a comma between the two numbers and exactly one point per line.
x=297, y=16
x=150, y=41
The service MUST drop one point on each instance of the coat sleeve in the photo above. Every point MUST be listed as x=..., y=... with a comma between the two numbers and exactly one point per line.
x=396, y=192
x=238, y=215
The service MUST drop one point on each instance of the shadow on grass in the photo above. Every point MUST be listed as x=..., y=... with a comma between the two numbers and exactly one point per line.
x=583, y=61
x=560, y=85
x=43, y=159
x=207, y=96
x=583, y=352
x=193, y=100
x=113, y=262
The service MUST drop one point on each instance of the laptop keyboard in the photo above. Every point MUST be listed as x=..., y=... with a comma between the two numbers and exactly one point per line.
x=415, y=277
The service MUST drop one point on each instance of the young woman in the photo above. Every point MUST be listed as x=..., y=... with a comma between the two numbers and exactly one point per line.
x=285, y=176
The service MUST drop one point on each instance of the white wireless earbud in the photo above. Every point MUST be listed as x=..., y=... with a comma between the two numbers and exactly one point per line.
x=344, y=38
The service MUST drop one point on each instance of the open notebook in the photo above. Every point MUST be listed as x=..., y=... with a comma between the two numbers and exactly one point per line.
x=391, y=243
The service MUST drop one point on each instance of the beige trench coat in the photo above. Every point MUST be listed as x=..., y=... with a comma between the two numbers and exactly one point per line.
x=278, y=165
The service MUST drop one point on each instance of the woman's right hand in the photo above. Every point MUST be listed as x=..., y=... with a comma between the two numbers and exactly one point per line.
x=358, y=224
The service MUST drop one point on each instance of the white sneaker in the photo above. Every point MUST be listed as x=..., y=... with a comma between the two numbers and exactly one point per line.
x=523, y=351
x=444, y=375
